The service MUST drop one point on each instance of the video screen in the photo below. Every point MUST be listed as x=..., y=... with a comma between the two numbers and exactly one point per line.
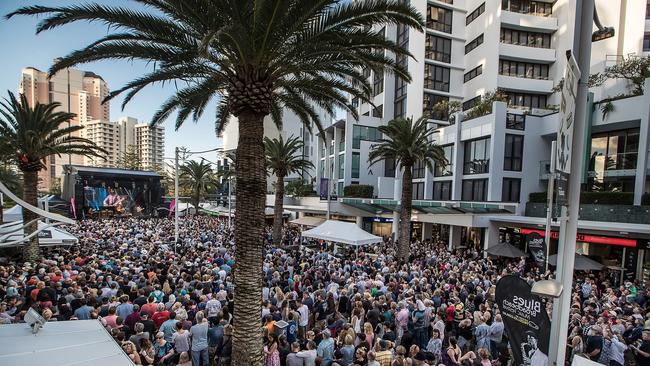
x=118, y=199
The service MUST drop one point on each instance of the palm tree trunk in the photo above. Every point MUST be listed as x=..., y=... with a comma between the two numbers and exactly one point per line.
x=31, y=251
x=197, y=200
x=404, y=241
x=249, y=228
x=278, y=209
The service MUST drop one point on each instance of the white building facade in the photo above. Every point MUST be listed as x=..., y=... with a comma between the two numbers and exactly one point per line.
x=498, y=160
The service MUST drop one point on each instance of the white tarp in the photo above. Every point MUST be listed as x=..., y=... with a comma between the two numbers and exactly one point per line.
x=308, y=221
x=342, y=232
x=74, y=342
x=581, y=361
x=12, y=214
x=51, y=236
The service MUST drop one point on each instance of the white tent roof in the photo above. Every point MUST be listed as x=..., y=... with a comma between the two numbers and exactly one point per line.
x=308, y=221
x=12, y=214
x=51, y=236
x=76, y=342
x=342, y=232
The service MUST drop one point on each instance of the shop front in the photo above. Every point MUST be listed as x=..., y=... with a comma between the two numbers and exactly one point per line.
x=619, y=255
x=380, y=226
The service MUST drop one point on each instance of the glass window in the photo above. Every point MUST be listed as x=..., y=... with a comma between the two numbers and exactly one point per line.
x=513, y=153
x=439, y=18
x=647, y=9
x=436, y=77
x=400, y=87
x=473, y=44
x=471, y=74
x=475, y=14
x=523, y=38
x=616, y=150
x=475, y=190
x=399, y=108
x=377, y=83
x=447, y=170
x=438, y=48
x=419, y=169
x=356, y=160
x=389, y=168
x=469, y=104
x=523, y=69
x=646, y=42
x=538, y=8
x=364, y=133
x=442, y=190
x=429, y=101
x=510, y=190
x=341, y=160
x=418, y=191
x=515, y=121
x=378, y=111
x=526, y=100
x=477, y=156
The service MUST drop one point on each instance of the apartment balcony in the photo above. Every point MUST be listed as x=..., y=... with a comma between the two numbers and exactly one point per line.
x=546, y=24
x=521, y=52
x=525, y=84
x=625, y=213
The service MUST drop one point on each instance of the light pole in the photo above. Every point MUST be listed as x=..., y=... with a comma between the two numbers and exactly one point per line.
x=175, y=198
x=549, y=209
x=229, y=203
x=583, y=37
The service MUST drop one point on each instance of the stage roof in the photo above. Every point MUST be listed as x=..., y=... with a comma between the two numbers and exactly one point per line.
x=74, y=342
x=111, y=171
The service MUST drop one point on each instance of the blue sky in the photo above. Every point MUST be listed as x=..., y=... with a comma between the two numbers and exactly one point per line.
x=22, y=47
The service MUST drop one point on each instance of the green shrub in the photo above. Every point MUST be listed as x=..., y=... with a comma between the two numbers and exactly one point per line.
x=358, y=191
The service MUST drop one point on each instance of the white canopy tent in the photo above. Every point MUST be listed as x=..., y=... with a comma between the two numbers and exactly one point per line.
x=48, y=236
x=12, y=214
x=308, y=221
x=342, y=232
x=77, y=342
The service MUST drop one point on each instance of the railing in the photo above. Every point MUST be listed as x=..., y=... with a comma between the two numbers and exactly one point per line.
x=600, y=212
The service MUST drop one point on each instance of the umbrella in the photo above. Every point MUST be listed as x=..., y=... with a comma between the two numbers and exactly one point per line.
x=505, y=250
x=582, y=263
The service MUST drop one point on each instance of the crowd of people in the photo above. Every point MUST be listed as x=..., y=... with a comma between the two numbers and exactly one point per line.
x=321, y=306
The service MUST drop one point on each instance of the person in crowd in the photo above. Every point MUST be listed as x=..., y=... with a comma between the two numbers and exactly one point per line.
x=199, y=334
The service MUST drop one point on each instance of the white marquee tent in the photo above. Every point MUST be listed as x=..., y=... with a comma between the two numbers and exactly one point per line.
x=342, y=232
x=11, y=214
x=51, y=236
x=78, y=342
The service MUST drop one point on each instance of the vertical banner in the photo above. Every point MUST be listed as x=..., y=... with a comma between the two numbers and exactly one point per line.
x=324, y=184
x=537, y=248
x=526, y=321
x=565, y=131
x=172, y=205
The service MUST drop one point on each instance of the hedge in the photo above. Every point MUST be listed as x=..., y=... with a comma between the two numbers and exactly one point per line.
x=358, y=191
x=603, y=198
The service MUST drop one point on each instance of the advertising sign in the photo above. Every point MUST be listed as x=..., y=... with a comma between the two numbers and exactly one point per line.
x=526, y=321
x=537, y=248
x=324, y=184
x=567, y=112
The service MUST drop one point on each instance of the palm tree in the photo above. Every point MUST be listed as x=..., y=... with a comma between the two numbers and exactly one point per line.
x=199, y=177
x=35, y=133
x=257, y=57
x=283, y=158
x=407, y=142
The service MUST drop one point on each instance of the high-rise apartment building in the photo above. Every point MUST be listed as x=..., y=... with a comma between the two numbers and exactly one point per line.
x=78, y=92
x=150, y=144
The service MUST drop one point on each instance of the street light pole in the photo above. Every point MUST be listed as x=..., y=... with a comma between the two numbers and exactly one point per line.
x=549, y=209
x=229, y=203
x=569, y=222
x=175, y=198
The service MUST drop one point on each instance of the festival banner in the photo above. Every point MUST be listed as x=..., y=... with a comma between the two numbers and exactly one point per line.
x=172, y=205
x=526, y=322
x=537, y=248
x=324, y=185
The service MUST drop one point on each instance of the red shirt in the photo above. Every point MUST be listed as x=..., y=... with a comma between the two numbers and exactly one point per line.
x=160, y=317
x=451, y=311
x=149, y=308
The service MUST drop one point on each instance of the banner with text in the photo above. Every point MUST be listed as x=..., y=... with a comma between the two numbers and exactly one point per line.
x=537, y=248
x=526, y=321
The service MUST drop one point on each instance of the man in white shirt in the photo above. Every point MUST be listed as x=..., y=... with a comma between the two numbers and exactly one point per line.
x=303, y=322
x=213, y=306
